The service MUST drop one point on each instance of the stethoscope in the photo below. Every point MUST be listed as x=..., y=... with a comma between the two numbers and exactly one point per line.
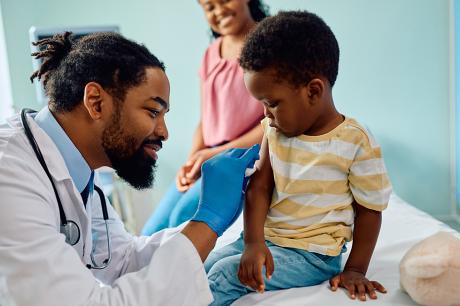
x=68, y=228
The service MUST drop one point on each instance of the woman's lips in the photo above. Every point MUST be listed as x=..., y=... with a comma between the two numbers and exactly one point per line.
x=225, y=21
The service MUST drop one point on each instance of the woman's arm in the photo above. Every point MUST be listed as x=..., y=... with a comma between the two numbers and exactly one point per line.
x=246, y=140
x=183, y=180
x=197, y=141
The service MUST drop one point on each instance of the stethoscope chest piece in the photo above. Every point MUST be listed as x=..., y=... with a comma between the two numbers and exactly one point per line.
x=71, y=231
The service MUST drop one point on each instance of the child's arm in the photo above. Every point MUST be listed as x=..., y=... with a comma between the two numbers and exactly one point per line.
x=258, y=198
x=353, y=278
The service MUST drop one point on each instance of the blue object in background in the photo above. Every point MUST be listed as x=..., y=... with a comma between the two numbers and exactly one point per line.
x=174, y=208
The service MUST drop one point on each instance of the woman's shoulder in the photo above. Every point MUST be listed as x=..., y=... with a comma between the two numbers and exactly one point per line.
x=213, y=59
x=212, y=53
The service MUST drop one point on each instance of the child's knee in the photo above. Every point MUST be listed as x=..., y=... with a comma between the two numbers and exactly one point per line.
x=210, y=261
x=224, y=271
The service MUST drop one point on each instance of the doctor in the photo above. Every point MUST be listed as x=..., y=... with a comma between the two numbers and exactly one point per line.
x=59, y=243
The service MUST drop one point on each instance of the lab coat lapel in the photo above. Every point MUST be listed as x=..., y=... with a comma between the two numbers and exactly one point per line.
x=70, y=197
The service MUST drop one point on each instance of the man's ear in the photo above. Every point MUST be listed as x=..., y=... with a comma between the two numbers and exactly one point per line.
x=93, y=99
x=315, y=90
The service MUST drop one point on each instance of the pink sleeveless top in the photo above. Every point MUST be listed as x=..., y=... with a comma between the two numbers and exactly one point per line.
x=228, y=109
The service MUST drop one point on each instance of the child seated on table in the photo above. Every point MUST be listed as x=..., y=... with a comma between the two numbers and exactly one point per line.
x=320, y=173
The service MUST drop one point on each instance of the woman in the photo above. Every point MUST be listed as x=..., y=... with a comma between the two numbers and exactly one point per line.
x=230, y=116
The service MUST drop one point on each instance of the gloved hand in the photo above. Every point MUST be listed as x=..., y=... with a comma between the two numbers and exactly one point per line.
x=223, y=186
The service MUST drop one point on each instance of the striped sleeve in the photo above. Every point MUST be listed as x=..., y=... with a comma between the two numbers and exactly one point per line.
x=368, y=178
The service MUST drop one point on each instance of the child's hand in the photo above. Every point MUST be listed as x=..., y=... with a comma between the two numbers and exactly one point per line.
x=255, y=256
x=356, y=283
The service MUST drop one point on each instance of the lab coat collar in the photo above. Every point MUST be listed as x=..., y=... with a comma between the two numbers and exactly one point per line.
x=53, y=158
x=78, y=168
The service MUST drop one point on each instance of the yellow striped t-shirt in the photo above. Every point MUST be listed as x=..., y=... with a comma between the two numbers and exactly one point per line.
x=316, y=180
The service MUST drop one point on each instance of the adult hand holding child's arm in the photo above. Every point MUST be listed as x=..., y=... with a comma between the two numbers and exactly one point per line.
x=223, y=186
x=220, y=204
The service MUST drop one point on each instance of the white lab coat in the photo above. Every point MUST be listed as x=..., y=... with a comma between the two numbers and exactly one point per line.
x=38, y=268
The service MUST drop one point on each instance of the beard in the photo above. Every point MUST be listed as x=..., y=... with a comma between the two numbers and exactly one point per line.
x=131, y=164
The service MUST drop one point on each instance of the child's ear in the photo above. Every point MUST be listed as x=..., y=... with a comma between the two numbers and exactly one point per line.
x=315, y=89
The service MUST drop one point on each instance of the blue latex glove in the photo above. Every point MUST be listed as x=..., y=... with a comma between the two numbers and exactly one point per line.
x=223, y=186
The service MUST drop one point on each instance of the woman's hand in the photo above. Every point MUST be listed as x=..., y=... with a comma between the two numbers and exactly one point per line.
x=194, y=163
x=182, y=182
x=255, y=256
x=189, y=173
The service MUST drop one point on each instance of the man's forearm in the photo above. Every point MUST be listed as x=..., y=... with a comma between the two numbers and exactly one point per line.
x=202, y=237
x=366, y=232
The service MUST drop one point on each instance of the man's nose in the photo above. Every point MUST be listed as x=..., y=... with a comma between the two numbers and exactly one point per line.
x=161, y=130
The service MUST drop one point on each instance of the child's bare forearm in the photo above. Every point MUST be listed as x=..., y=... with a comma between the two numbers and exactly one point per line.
x=366, y=232
x=255, y=212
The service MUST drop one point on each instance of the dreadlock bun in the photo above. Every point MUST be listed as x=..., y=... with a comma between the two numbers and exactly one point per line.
x=69, y=63
x=52, y=50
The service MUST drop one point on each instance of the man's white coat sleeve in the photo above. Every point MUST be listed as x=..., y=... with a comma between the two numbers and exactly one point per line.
x=38, y=268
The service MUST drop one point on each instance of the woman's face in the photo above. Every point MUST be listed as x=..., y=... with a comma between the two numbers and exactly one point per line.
x=227, y=17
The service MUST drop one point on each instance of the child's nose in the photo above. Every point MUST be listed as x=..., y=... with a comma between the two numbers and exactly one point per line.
x=267, y=113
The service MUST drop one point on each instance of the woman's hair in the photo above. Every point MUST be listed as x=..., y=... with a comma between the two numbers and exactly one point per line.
x=258, y=11
x=109, y=59
x=298, y=45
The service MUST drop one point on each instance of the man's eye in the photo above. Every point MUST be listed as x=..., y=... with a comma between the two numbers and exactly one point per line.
x=153, y=112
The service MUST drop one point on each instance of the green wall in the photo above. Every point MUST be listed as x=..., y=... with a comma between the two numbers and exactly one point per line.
x=394, y=73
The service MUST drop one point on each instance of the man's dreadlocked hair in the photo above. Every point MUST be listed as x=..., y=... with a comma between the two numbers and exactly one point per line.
x=109, y=59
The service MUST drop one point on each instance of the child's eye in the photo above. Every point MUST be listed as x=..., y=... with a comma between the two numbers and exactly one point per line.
x=272, y=104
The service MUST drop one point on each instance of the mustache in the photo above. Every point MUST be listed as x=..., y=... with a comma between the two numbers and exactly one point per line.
x=157, y=142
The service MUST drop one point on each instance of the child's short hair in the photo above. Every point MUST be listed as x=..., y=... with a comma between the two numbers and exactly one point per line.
x=298, y=45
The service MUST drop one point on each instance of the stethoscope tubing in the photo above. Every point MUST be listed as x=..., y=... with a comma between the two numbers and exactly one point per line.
x=67, y=225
